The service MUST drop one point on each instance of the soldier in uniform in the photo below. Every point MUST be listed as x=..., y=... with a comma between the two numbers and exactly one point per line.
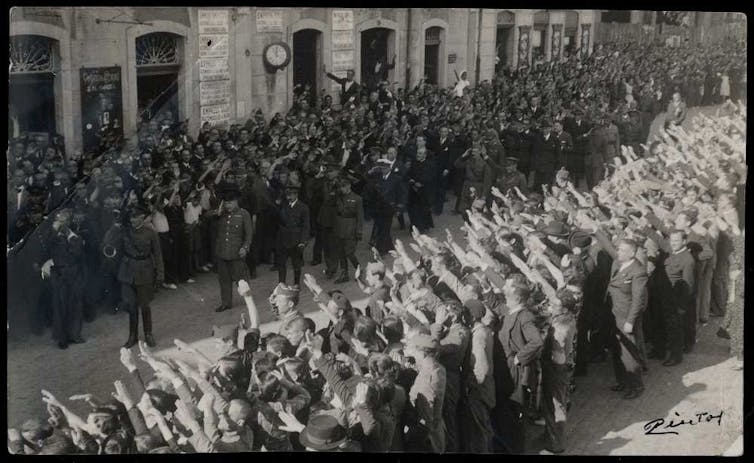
x=348, y=227
x=511, y=177
x=293, y=217
x=65, y=252
x=478, y=176
x=141, y=271
x=234, y=232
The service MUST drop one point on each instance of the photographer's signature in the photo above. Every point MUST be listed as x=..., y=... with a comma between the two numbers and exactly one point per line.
x=662, y=426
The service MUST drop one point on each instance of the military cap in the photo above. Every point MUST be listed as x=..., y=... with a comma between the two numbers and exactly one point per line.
x=511, y=160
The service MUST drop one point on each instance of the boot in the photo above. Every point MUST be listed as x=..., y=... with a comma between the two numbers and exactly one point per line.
x=133, y=328
x=147, y=313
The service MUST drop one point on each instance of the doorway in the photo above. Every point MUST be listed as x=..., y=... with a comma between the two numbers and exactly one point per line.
x=375, y=46
x=32, y=102
x=432, y=55
x=503, y=46
x=157, y=70
x=307, y=61
x=157, y=95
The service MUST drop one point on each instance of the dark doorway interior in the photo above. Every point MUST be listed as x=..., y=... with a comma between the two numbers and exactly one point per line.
x=157, y=94
x=501, y=46
x=305, y=53
x=32, y=97
x=431, y=63
x=374, y=50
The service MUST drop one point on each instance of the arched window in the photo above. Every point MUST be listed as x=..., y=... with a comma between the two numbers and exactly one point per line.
x=30, y=53
x=158, y=48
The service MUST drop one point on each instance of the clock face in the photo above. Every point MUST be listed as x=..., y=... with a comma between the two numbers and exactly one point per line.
x=276, y=55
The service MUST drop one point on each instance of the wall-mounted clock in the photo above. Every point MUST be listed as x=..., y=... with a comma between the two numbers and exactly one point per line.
x=276, y=56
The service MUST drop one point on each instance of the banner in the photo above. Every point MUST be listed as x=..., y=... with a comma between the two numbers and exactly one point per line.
x=101, y=104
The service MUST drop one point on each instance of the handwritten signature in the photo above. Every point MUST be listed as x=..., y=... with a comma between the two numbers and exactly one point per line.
x=658, y=425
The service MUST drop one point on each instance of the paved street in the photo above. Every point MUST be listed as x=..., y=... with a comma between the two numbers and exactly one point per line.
x=600, y=422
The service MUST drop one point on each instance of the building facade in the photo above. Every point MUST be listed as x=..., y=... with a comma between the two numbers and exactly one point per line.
x=76, y=70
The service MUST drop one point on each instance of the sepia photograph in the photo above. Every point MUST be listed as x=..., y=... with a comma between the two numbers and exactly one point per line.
x=379, y=230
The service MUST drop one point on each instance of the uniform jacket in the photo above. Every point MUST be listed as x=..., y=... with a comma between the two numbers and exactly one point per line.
x=141, y=263
x=454, y=347
x=294, y=224
x=233, y=232
x=350, y=219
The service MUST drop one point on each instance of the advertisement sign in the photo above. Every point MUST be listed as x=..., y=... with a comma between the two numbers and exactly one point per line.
x=342, y=20
x=213, y=46
x=101, y=104
x=269, y=21
x=213, y=21
x=213, y=69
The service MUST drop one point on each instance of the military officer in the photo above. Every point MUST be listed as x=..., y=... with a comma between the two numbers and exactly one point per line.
x=65, y=266
x=511, y=177
x=234, y=232
x=141, y=270
x=348, y=227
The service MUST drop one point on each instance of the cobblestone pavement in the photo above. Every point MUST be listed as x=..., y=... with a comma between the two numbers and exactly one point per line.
x=600, y=422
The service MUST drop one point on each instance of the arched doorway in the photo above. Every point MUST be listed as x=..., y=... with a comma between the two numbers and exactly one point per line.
x=157, y=68
x=433, y=38
x=31, y=92
x=307, y=61
x=377, y=52
x=504, y=45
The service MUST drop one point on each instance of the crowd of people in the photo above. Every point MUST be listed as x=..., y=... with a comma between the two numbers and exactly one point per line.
x=580, y=242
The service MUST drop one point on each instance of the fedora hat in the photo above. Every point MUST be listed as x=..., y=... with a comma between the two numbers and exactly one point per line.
x=322, y=433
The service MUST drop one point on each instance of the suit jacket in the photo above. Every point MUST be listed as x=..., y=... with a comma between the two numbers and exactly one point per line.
x=346, y=94
x=294, y=224
x=628, y=291
x=578, y=134
x=520, y=337
x=565, y=148
x=680, y=270
x=393, y=190
x=544, y=153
